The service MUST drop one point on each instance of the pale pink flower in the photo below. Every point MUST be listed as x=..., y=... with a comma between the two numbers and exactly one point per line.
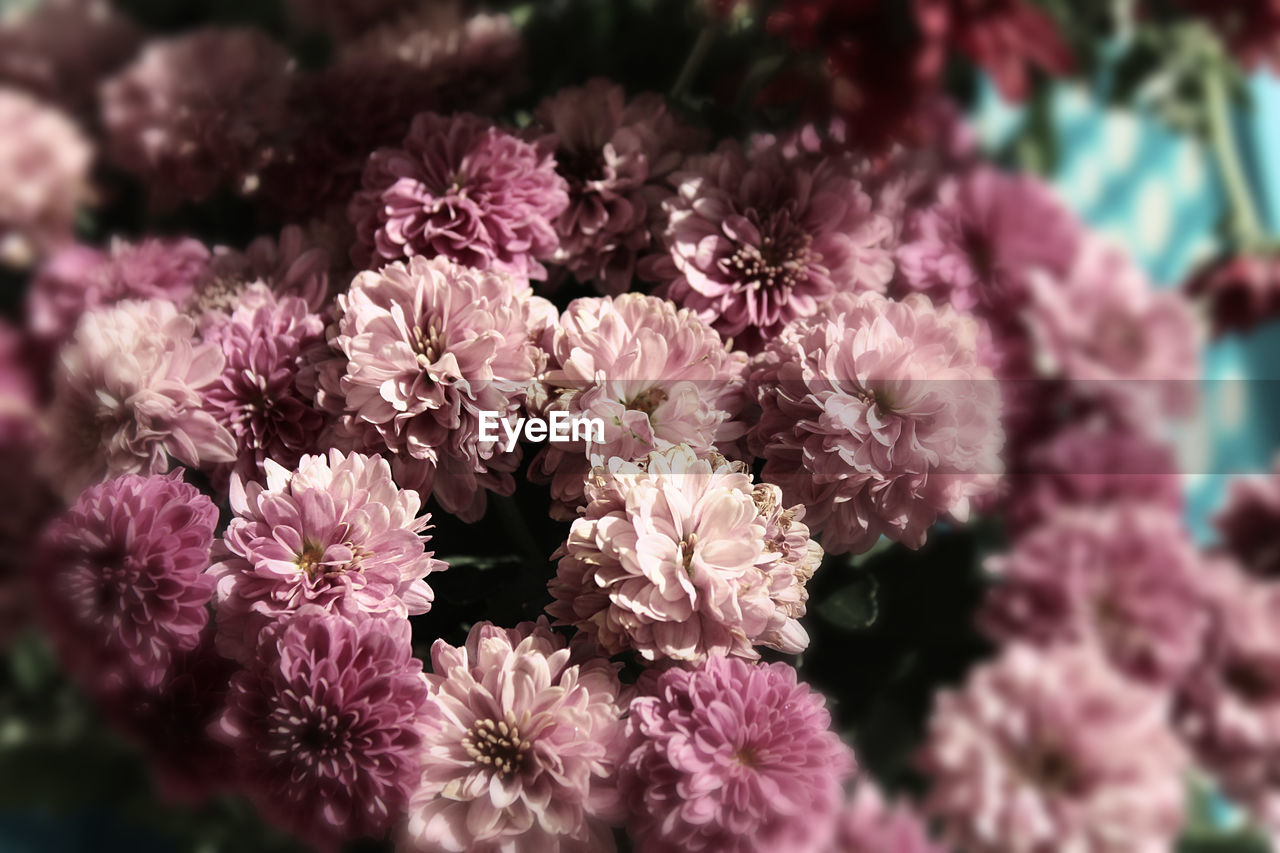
x=870, y=824
x=878, y=418
x=732, y=756
x=615, y=154
x=327, y=724
x=754, y=240
x=522, y=756
x=655, y=375
x=1054, y=750
x=681, y=557
x=127, y=397
x=1126, y=577
x=462, y=188
x=44, y=177
x=336, y=532
x=429, y=346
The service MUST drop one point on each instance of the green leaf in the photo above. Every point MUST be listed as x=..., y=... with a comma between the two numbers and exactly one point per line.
x=854, y=606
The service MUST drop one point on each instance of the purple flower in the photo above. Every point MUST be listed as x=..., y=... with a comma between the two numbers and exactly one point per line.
x=877, y=418
x=121, y=584
x=462, y=188
x=1054, y=750
x=327, y=724
x=521, y=756
x=755, y=240
x=869, y=824
x=337, y=532
x=732, y=756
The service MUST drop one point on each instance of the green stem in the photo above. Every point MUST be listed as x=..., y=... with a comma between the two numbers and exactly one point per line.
x=513, y=521
x=691, y=65
x=1244, y=225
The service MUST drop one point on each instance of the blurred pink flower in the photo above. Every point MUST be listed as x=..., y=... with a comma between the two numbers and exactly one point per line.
x=44, y=177
x=1241, y=291
x=681, y=557
x=615, y=154
x=121, y=583
x=327, y=724
x=127, y=397
x=1126, y=577
x=462, y=188
x=1249, y=521
x=877, y=418
x=199, y=111
x=869, y=824
x=337, y=532
x=753, y=240
x=429, y=346
x=522, y=755
x=1054, y=750
x=655, y=375
x=299, y=263
x=732, y=756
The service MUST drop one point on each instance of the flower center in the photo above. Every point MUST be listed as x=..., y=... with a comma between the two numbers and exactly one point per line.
x=686, y=550
x=497, y=745
x=218, y=293
x=580, y=167
x=647, y=401
x=311, y=560
x=747, y=757
x=781, y=261
x=427, y=344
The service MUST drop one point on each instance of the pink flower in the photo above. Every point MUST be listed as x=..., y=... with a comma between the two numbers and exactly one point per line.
x=121, y=583
x=1241, y=291
x=614, y=153
x=79, y=278
x=127, y=397
x=1248, y=522
x=199, y=111
x=681, y=557
x=522, y=756
x=462, y=188
x=337, y=532
x=656, y=376
x=258, y=397
x=44, y=166
x=732, y=756
x=1054, y=750
x=754, y=240
x=1126, y=577
x=877, y=417
x=298, y=264
x=327, y=724
x=429, y=346
x=869, y=824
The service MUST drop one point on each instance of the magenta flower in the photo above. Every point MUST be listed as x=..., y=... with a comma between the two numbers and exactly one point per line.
x=1054, y=750
x=121, y=584
x=654, y=375
x=44, y=177
x=681, y=558
x=462, y=188
x=754, y=240
x=1126, y=577
x=337, y=532
x=327, y=724
x=615, y=154
x=199, y=111
x=869, y=824
x=877, y=418
x=429, y=345
x=127, y=397
x=732, y=756
x=1248, y=522
x=522, y=756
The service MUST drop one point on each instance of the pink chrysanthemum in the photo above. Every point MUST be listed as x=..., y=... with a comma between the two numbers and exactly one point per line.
x=429, y=346
x=1249, y=520
x=258, y=397
x=337, y=532
x=754, y=240
x=654, y=375
x=199, y=111
x=615, y=153
x=522, y=758
x=1126, y=577
x=298, y=264
x=681, y=557
x=121, y=579
x=1054, y=750
x=869, y=824
x=44, y=167
x=732, y=756
x=327, y=724
x=462, y=188
x=878, y=418
x=80, y=278
x=127, y=396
